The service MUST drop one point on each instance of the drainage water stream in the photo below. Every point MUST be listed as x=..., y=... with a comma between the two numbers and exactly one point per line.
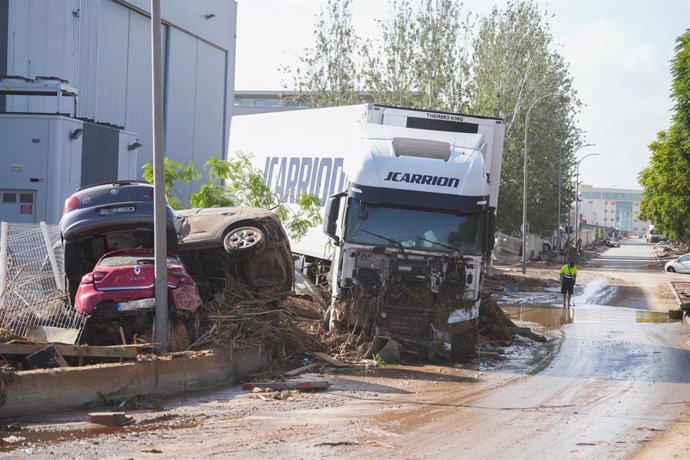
x=590, y=306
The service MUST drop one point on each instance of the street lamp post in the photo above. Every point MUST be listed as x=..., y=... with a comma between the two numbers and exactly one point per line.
x=577, y=197
x=558, y=219
x=524, y=186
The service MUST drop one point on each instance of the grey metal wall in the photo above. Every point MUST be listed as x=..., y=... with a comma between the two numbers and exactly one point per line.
x=102, y=47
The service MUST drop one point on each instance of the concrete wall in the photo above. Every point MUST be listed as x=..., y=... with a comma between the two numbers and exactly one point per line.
x=56, y=390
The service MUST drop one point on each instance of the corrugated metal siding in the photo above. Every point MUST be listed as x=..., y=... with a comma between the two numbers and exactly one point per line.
x=190, y=15
x=87, y=49
x=39, y=31
x=105, y=53
x=208, y=113
x=180, y=95
x=138, y=103
x=113, y=38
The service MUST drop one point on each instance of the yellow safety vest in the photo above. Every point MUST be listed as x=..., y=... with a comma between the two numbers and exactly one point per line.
x=568, y=272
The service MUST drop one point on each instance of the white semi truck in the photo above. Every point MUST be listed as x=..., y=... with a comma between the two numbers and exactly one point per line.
x=409, y=199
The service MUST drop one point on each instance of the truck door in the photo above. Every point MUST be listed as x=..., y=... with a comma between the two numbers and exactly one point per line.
x=18, y=206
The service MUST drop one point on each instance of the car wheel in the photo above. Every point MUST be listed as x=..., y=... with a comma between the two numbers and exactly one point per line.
x=243, y=242
x=671, y=270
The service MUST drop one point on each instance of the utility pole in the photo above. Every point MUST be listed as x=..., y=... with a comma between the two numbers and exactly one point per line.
x=524, y=185
x=159, y=220
x=577, y=197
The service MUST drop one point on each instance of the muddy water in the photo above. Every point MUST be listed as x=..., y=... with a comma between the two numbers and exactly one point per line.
x=23, y=439
x=590, y=307
x=552, y=317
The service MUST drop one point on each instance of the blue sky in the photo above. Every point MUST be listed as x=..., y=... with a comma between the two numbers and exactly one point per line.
x=619, y=53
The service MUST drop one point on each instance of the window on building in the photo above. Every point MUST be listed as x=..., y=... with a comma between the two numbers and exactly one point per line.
x=9, y=197
x=26, y=197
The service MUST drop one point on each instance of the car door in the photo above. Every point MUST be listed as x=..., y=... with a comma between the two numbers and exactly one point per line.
x=684, y=264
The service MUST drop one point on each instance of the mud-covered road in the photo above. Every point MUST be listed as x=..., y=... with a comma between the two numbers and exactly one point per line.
x=613, y=381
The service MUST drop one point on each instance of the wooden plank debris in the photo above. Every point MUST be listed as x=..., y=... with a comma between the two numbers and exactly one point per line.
x=317, y=384
x=527, y=332
x=330, y=360
x=116, y=351
x=109, y=418
x=299, y=370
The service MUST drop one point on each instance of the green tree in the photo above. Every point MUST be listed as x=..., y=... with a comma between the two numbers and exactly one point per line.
x=420, y=60
x=235, y=182
x=513, y=66
x=666, y=197
x=175, y=171
x=327, y=74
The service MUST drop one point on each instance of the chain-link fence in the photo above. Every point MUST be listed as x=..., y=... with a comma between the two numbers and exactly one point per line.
x=32, y=290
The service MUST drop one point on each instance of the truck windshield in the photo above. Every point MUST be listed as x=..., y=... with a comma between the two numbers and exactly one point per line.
x=412, y=228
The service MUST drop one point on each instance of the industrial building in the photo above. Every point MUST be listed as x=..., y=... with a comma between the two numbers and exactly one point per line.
x=75, y=93
x=612, y=208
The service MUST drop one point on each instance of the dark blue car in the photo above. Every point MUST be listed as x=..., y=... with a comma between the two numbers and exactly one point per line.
x=101, y=218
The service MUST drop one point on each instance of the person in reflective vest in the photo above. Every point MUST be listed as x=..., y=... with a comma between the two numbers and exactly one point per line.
x=568, y=276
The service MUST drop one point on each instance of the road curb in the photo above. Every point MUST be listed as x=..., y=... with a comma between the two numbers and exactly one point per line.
x=686, y=318
x=56, y=390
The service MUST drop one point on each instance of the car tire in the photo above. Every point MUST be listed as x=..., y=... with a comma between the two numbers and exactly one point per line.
x=671, y=270
x=244, y=242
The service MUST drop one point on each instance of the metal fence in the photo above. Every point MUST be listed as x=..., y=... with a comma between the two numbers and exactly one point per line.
x=32, y=287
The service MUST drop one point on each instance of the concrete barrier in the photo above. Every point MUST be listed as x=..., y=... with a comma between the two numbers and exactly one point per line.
x=56, y=390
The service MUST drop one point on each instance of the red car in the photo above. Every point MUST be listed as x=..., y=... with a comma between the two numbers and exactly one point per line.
x=120, y=294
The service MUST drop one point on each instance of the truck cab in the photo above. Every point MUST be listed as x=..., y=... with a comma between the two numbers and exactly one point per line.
x=413, y=232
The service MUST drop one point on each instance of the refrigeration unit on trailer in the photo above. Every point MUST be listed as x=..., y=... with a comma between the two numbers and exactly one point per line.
x=409, y=199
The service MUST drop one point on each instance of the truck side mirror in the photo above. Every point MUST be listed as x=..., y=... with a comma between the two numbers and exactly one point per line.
x=330, y=218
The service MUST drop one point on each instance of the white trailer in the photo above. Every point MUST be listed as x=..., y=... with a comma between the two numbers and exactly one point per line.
x=409, y=201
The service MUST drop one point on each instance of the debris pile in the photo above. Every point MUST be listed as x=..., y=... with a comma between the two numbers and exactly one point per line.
x=494, y=324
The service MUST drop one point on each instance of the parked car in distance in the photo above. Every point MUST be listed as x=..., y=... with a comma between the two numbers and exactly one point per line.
x=101, y=218
x=120, y=293
x=241, y=245
x=679, y=265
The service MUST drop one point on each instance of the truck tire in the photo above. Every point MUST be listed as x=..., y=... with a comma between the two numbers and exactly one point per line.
x=463, y=346
x=244, y=242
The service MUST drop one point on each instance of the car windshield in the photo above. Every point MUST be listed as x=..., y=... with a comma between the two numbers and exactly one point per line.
x=124, y=260
x=412, y=228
